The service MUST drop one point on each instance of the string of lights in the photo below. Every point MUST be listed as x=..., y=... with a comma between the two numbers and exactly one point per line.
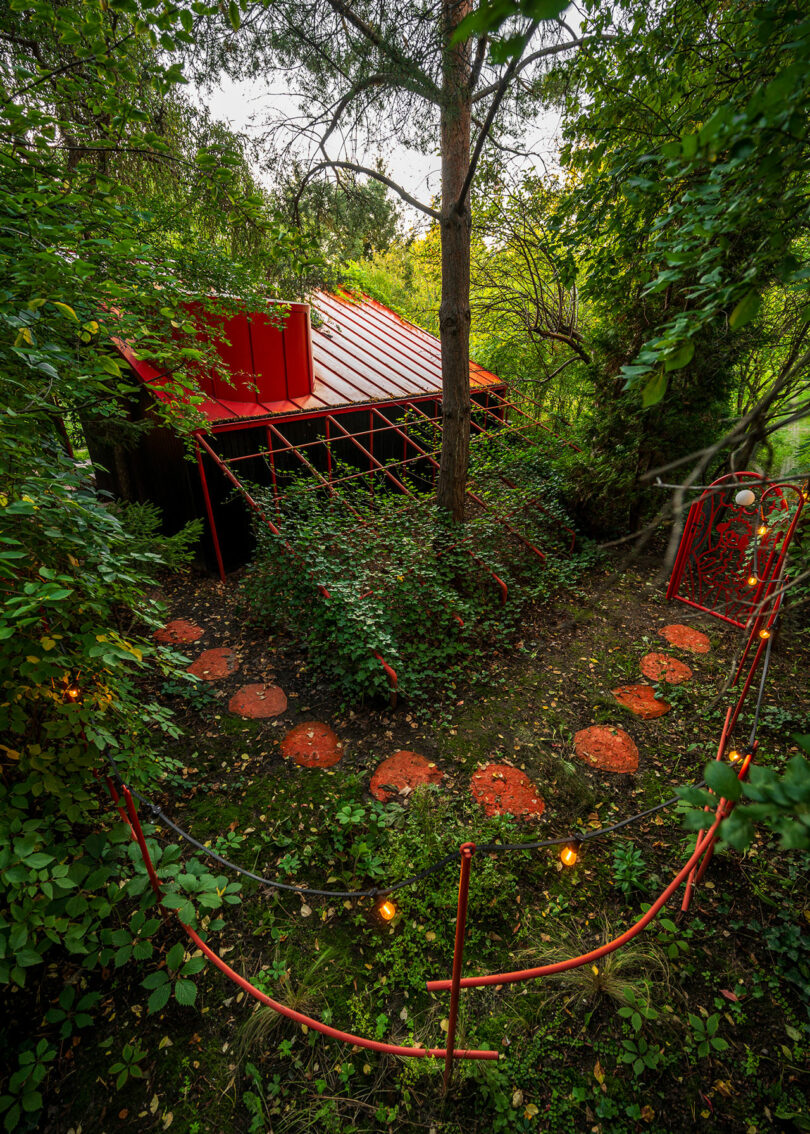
x=570, y=844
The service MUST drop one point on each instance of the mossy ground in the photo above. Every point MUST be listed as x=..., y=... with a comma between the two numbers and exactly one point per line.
x=564, y=1065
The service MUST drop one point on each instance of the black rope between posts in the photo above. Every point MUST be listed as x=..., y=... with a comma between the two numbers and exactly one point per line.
x=382, y=891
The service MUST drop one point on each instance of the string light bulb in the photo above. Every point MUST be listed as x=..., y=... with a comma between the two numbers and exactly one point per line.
x=752, y=580
x=765, y=634
x=734, y=756
x=72, y=691
x=762, y=531
x=387, y=910
x=569, y=854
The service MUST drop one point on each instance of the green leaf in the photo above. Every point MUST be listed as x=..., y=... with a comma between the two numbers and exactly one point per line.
x=185, y=992
x=159, y=998
x=66, y=309
x=745, y=310
x=174, y=958
x=234, y=15
x=654, y=390
x=156, y=979
x=681, y=357
x=723, y=780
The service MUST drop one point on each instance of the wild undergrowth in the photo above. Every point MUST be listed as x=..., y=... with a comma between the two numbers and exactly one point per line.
x=364, y=574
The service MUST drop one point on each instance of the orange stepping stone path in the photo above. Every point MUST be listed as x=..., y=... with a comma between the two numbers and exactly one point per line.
x=502, y=789
x=686, y=638
x=212, y=665
x=312, y=745
x=257, y=701
x=179, y=631
x=403, y=770
x=641, y=700
x=607, y=748
x=661, y=667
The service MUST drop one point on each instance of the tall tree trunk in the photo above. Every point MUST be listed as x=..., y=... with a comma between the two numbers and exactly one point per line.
x=454, y=313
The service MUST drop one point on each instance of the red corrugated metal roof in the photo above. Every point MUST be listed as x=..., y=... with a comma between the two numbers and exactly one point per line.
x=362, y=351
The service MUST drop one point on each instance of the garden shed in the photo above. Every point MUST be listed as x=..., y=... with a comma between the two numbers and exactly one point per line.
x=325, y=387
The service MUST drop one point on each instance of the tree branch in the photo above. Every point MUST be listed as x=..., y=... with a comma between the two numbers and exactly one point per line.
x=478, y=63
x=542, y=53
x=490, y=118
x=350, y=165
x=430, y=91
x=61, y=71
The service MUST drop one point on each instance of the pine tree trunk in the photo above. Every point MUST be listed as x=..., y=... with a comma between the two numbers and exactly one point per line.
x=454, y=313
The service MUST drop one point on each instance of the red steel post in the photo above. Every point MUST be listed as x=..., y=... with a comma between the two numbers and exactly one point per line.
x=272, y=455
x=467, y=850
x=727, y=806
x=135, y=824
x=209, y=509
x=602, y=950
x=721, y=747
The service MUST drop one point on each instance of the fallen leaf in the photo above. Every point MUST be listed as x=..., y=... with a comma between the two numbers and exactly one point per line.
x=599, y=1075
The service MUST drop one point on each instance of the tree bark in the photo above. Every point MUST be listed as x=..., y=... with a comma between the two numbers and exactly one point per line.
x=454, y=312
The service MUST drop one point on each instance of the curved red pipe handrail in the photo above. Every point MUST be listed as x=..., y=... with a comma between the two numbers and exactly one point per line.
x=131, y=817
x=325, y=1029
x=602, y=950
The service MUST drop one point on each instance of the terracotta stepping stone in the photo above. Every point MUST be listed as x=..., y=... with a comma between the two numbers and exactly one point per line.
x=502, y=789
x=606, y=748
x=661, y=667
x=403, y=770
x=258, y=701
x=211, y=665
x=641, y=700
x=686, y=638
x=312, y=745
x=177, y=631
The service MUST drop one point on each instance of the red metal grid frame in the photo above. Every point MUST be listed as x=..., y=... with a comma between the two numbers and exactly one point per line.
x=754, y=540
x=488, y=403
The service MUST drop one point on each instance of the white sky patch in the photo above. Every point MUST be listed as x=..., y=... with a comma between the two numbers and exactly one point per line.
x=248, y=105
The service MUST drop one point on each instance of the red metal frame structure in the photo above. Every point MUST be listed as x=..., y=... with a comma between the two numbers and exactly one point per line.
x=732, y=557
x=358, y=386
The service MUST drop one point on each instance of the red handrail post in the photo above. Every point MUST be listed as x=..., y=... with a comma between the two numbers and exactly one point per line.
x=135, y=823
x=467, y=850
x=209, y=509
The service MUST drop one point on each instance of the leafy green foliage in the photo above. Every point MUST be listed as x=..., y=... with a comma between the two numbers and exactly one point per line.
x=389, y=578
x=111, y=218
x=779, y=801
x=703, y=1034
x=628, y=867
x=24, y=1096
x=707, y=172
x=128, y=1065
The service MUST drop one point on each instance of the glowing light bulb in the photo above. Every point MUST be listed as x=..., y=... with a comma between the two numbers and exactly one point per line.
x=72, y=692
x=765, y=634
x=762, y=531
x=569, y=854
x=752, y=580
x=387, y=911
x=734, y=756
